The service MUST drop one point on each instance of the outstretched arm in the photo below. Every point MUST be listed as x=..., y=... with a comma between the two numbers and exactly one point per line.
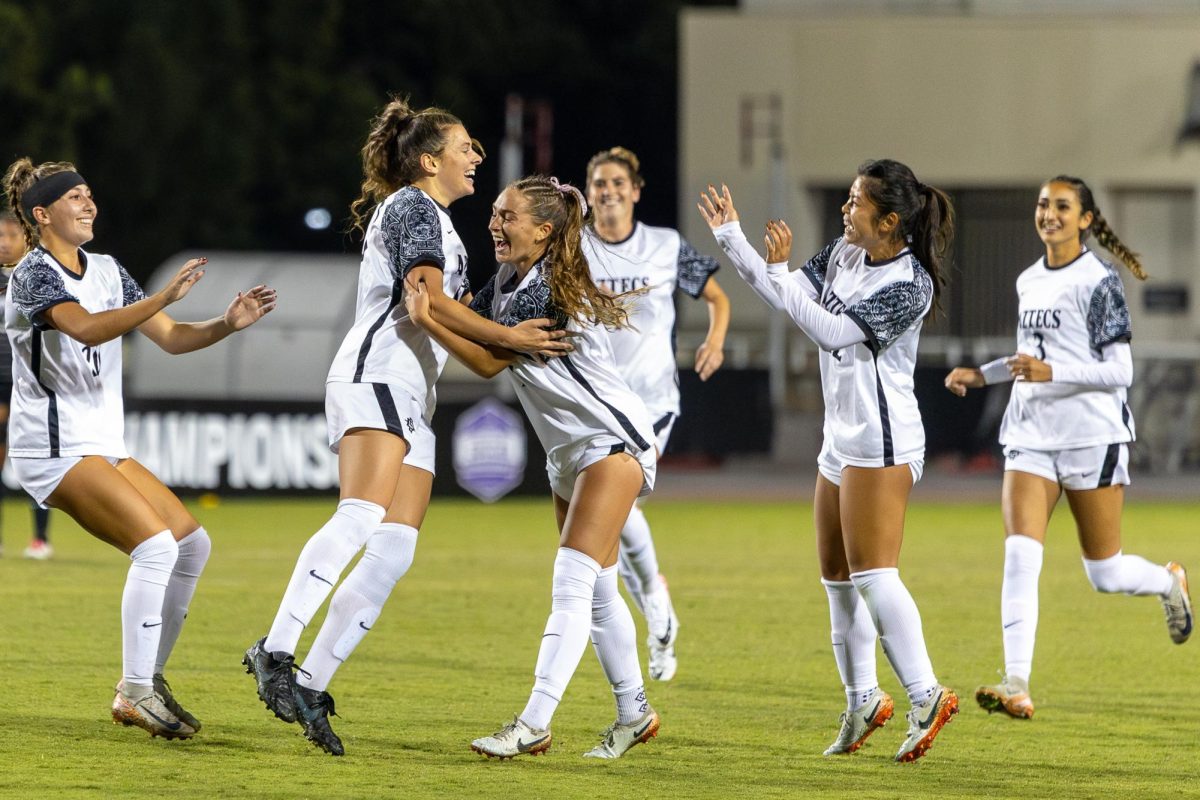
x=174, y=337
x=484, y=360
x=94, y=329
x=531, y=336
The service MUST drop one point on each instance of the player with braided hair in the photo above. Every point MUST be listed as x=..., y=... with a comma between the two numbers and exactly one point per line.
x=1067, y=428
x=599, y=445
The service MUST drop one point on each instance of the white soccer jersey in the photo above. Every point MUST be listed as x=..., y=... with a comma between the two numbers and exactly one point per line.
x=384, y=346
x=1065, y=316
x=66, y=398
x=571, y=398
x=654, y=261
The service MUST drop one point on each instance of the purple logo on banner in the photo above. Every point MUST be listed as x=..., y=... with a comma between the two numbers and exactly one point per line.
x=489, y=450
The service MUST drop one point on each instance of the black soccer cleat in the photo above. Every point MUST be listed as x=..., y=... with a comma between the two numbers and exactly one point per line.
x=273, y=674
x=313, y=709
x=168, y=699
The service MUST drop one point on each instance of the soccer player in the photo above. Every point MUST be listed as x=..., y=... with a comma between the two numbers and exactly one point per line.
x=1067, y=428
x=12, y=248
x=628, y=256
x=599, y=444
x=379, y=400
x=66, y=311
x=862, y=300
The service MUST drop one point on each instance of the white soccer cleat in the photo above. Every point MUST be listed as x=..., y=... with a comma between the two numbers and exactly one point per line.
x=860, y=724
x=617, y=740
x=39, y=550
x=150, y=715
x=663, y=627
x=1178, y=605
x=925, y=721
x=514, y=739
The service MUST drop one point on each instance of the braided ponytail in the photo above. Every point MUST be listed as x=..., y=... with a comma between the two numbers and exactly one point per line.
x=1105, y=237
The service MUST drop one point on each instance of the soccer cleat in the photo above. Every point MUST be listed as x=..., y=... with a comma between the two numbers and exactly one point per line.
x=39, y=550
x=163, y=690
x=617, y=740
x=925, y=721
x=1011, y=696
x=514, y=739
x=1178, y=605
x=313, y=710
x=858, y=725
x=273, y=674
x=149, y=714
x=663, y=627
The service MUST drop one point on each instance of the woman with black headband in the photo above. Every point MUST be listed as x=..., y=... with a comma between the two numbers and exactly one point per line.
x=66, y=311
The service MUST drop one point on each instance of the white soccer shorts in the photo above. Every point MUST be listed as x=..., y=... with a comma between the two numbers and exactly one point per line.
x=380, y=407
x=1076, y=469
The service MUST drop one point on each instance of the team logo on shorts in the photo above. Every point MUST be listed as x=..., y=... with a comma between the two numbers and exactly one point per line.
x=408, y=423
x=1014, y=454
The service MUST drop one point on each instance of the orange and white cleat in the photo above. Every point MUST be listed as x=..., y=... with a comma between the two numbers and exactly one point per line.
x=925, y=721
x=617, y=740
x=1011, y=696
x=858, y=725
x=1178, y=605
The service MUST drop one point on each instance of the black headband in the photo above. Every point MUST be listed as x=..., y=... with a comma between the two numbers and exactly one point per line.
x=47, y=190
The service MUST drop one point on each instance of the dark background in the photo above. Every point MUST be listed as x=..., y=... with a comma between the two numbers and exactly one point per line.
x=217, y=124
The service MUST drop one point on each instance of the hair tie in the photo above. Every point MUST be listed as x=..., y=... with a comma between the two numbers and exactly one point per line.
x=565, y=188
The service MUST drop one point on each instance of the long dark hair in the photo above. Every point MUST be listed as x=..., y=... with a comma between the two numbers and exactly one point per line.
x=926, y=215
x=1099, y=227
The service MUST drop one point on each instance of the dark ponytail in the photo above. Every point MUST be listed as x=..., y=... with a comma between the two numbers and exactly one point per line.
x=926, y=215
x=1105, y=237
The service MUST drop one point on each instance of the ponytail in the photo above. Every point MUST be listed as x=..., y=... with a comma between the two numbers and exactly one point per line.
x=565, y=266
x=926, y=216
x=391, y=156
x=1105, y=237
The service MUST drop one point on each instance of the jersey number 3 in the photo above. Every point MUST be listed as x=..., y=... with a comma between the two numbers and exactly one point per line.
x=1039, y=343
x=92, y=357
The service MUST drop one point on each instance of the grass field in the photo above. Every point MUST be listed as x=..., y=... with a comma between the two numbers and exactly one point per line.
x=755, y=702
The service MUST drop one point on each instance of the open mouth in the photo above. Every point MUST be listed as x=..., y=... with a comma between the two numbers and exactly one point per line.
x=502, y=247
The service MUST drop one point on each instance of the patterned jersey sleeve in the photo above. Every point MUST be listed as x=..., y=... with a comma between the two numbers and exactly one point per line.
x=131, y=292
x=481, y=303
x=889, y=312
x=694, y=269
x=412, y=233
x=533, y=301
x=817, y=266
x=1108, y=313
x=35, y=287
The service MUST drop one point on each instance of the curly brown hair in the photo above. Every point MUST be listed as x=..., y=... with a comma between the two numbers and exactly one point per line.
x=564, y=265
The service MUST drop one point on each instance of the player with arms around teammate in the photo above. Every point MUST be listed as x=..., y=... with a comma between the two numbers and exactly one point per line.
x=379, y=400
x=628, y=256
x=599, y=445
x=863, y=300
x=66, y=311
x=1067, y=428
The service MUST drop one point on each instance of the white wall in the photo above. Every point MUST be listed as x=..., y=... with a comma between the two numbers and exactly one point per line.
x=965, y=101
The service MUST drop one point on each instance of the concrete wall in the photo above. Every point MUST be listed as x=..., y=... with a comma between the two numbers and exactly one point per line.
x=965, y=101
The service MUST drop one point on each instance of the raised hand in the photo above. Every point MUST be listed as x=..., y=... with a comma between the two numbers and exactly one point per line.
x=717, y=209
x=779, y=241
x=249, y=307
x=182, y=281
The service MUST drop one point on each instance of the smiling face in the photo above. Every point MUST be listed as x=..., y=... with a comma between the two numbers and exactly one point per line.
x=454, y=168
x=613, y=194
x=518, y=239
x=1060, y=218
x=69, y=218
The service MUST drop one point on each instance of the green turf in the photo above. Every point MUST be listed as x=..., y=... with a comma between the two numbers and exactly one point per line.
x=755, y=702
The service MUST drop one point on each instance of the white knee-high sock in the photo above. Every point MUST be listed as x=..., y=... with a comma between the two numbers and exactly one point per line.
x=317, y=570
x=193, y=555
x=358, y=601
x=614, y=639
x=899, y=624
x=1019, y=603
x=142, y=603
x=566, y=634
x=853, y=636
x=1128, y=574
x=637, y=558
